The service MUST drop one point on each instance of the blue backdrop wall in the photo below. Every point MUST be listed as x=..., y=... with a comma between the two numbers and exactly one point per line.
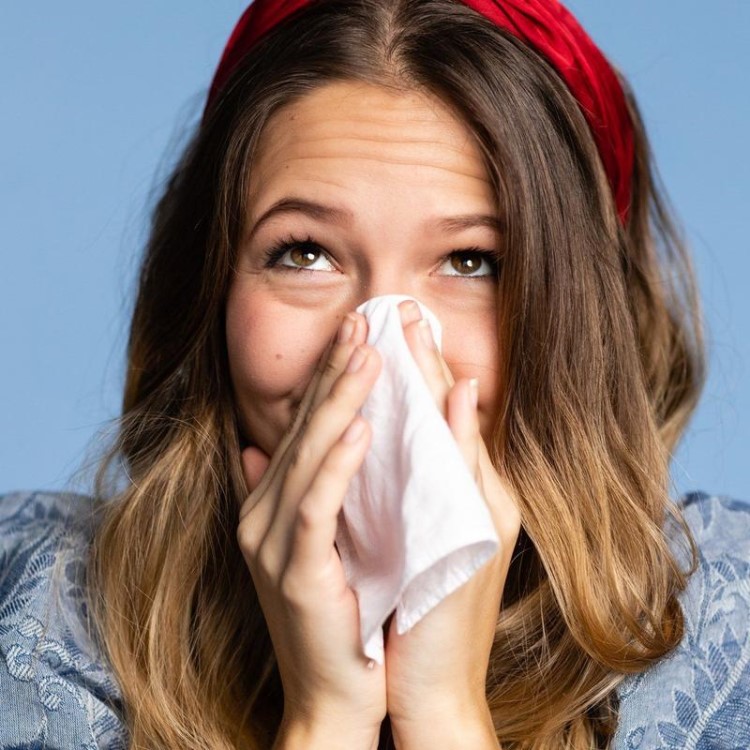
x=97, y=98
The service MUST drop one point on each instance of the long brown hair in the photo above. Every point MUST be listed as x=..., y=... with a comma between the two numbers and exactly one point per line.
x=601, y=326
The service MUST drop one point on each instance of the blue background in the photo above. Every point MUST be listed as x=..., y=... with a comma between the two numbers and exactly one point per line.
x=97, y=99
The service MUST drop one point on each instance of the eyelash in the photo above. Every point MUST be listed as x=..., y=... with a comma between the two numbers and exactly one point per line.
x=277, y=251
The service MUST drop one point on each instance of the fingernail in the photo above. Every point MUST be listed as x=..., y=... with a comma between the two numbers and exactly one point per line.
x=347, y=328
x=474, y=391
x=357, y=360
x=424, y=331
x=353, y=431
x=409, y=312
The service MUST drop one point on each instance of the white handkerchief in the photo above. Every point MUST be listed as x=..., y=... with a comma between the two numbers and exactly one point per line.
x=414, y=525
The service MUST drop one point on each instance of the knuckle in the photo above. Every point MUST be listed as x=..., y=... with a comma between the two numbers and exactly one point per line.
x=247, y=535
x=291, y=590
x=332, y=476
x=333, y=468
x=265, y=562
x=342, y=459
x=309, y=516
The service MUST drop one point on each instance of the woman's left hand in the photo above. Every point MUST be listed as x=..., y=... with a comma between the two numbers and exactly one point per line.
x=436, y=672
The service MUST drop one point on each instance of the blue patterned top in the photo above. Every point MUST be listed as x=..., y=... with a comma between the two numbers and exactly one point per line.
x=57, y=692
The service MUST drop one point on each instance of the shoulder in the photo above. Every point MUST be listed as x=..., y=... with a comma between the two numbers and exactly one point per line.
x=55, y=689
x=699, y=696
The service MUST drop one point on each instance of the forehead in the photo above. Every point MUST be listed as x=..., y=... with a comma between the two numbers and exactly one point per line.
x=343, y=130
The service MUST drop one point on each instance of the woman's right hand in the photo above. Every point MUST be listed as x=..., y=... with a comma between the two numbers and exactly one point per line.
x=286, y=534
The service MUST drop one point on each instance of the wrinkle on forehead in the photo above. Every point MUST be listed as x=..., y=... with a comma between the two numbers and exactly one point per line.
x=347, y=121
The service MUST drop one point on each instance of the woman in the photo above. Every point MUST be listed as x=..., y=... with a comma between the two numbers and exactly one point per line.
x=485, y=159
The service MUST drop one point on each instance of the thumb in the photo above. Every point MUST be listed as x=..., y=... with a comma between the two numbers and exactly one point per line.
x=254, y=465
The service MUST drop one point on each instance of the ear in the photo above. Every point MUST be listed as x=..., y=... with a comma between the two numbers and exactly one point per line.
x=254, y=465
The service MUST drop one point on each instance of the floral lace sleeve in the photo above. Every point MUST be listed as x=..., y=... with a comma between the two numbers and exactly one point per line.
x=698, y=698
x=54, y=690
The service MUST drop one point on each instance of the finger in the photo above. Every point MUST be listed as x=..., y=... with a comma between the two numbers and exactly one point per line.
x=330, y=363
x=317, y=516
x=351, y=333
x=434, y=369
x=464, y=423
x=325, y=428
x=335, y=412
x=270, y=500
x=501, y=500
x=340, y=353
x=463, y=420
x=410, y=313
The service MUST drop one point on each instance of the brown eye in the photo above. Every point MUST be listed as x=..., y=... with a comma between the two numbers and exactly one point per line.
x=302, y=256
x=469, y=262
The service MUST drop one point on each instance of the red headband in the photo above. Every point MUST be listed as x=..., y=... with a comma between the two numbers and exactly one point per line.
x=547, y=27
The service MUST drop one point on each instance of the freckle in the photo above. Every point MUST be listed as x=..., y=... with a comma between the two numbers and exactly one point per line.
x=279, y=356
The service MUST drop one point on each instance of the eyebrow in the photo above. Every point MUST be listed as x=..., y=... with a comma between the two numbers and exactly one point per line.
x=340, y=216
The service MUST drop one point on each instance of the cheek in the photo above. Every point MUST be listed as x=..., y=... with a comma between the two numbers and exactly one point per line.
x=251, y=348
x=272, y=354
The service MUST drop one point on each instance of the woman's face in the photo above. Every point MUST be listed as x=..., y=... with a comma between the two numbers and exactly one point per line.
x=378, y=187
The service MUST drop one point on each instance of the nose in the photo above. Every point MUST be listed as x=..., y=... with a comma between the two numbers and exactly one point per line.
x=384, y=281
